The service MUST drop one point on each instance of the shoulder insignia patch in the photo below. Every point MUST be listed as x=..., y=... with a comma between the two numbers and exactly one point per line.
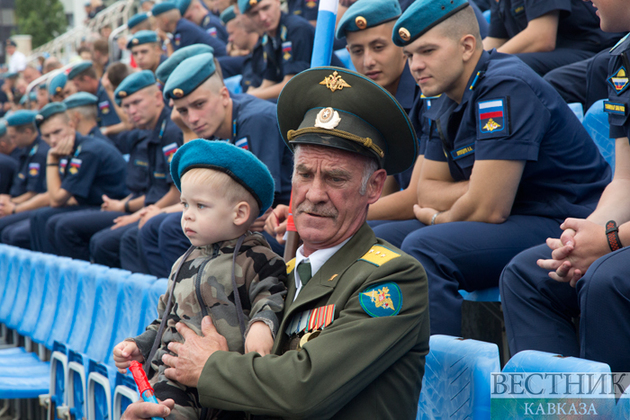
x=290, y=266
x=384, y=299
x=615, y=108
x=242, y=143
x=619, y=81
x=379, y=255
x=491, y=116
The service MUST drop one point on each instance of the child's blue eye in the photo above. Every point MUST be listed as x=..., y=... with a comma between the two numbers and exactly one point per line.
x=200, y=206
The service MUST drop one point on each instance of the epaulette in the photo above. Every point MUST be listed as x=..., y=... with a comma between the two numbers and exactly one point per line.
x=621, y=41
x=290, y=266
x=378, y=255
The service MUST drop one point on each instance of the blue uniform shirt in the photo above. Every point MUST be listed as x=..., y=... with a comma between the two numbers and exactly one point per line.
x=254, y=67
x=187, y=33
x=96, y=133
x=93, y=168
x=255, y=128
x=618, y=103
x=8, y=168
x=214, y=27
x=150, y=157
x=305, y=8
x=510, y=113
x=106, y=115
x=31, y=175
x=578, y=25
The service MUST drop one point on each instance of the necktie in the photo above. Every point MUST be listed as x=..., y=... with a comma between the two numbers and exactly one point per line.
x=304, y=270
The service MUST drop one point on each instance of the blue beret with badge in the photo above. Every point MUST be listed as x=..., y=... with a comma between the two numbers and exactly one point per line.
x=228, y=14
x=342, y=109
x=241, y=165
x=48, y=111
x=165, y=69
x=245, y=5
x=143, y=37
x=80, y=99
x=79, y=68
x=136, y=19
x=160, y=8
x=133, y=83
x=21, y=117
x=191, y=73
x=365, y=14
x=3, y=128
x=57, y=83
x=422, y=16
x=183, y=5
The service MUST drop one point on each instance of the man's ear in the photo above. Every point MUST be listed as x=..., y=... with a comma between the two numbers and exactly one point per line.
x=375, y=185
x=469, y=46
x=242, y=213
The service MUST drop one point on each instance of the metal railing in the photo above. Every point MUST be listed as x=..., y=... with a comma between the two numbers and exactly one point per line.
x=64, y=46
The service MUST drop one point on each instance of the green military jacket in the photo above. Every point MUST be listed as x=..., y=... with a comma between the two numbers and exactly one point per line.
x=360, y=366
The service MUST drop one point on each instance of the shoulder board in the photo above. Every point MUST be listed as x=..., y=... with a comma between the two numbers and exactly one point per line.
x=379, y=255
x=290, y=266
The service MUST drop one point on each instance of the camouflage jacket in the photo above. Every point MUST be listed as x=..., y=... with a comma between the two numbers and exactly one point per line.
x=204, y=287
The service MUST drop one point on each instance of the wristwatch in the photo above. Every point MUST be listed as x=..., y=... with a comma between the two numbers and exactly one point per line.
x=612, y=234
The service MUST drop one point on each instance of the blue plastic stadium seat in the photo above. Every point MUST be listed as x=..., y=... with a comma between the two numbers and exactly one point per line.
x=487, y=14
x=578, y=110
x=344, y=56
x=456, y=382
x=490, y=294
x=149, y=306
x=234, y=84
x=596, y=123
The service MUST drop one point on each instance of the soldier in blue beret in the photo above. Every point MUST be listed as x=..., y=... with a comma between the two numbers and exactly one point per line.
x=146, y=50
x=244, y=39
x=485, y=122
x=84, y=79
x=358, y=286
x=287, y=42
x=83, y=113
x=548, y=35
x=228, y=14
x=165, y=69
x=583, y=273
x=8, y=164
x=59, y=88
x=139, y=22
x=153, y=143
x=206, y=108
x=169, y=21
x=79, y=171
x=195, y=12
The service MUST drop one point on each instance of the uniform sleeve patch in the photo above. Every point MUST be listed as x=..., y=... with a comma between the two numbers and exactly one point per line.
x=615, y=108
x=242, y=143
x=619, y=80
x=287, y=48
x=290, y=266
x=75, y=165
x=493, y=118
x=384, y=299
x=33, y=169
x=379, y=255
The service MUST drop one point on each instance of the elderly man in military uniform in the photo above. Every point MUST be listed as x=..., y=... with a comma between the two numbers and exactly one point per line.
x=355, y=330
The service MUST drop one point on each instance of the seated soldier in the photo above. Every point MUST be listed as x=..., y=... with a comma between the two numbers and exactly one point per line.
x=548, y=34
x=139, y=22
x=60, y=88
x=206, y=107
x=82, y=111
x=195, y=12
x=8, y=164
x=146, y=50
x=223, y=190
x=170, y=21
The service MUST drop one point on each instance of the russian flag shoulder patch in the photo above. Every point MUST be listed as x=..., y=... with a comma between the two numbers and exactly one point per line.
x=492, y=118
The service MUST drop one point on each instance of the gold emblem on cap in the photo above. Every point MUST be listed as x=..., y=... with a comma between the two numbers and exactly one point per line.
x=58, y=89
x=135, y=41
x=253, y=2
x=327, y=118
x=404, y=34
x=178, y=93
x=334, y=82
x=122, y=94
x=361, y=22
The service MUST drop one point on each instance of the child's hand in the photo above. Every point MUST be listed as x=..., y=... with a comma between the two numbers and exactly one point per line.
x=259, y=339
x=124, y=353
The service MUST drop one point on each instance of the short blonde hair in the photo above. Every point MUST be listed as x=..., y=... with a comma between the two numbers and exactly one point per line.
x=232, y=191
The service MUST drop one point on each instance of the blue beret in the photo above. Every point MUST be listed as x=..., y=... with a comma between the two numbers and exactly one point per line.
x=57, y=83
x=80, y=99
x=133, y=83
x=160, y=8
x=21, y=117
x=245, y=5
x=142, y=37
x=421, y=16
x=166, y=68
x=11, y=75
x=136, y=19
x=189, y=75
x=366, y=14
x=31, y=97
x=3, y=128
x=228, y=14
x=79, y=68
x=241, y=165
x=182, y=5
x=49, y=110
